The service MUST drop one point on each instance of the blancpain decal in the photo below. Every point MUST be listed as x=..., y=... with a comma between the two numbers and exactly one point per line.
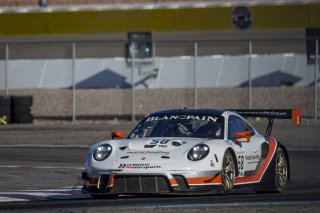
x=137, y=166
x=147, y=152
x=183, y=117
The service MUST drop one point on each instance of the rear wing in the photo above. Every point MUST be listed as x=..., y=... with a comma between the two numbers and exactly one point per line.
x=294, y=114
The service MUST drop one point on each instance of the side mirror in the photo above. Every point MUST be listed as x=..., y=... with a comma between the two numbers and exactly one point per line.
x=243, y=137
x=118, y=134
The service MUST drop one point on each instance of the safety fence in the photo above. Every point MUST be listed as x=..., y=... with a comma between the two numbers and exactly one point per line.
x=116, y=79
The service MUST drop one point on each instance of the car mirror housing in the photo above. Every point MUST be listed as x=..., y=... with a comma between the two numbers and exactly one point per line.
x=243, y=137
x=118, y=134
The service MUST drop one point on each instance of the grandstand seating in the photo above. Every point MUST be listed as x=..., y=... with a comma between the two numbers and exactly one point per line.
x=35, y=3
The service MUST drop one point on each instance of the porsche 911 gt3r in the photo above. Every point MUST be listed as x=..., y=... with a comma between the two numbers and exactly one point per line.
x=190, y=151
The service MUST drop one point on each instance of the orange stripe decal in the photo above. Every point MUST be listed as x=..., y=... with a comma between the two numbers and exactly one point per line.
x=111, y=181
x=258, y=175
x=209, y=180
x=173, y=181
x=204, y=180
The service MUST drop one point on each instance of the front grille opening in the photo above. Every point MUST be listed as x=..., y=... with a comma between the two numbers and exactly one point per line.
x=182, y=182
x=140, y=184
x=103, y=182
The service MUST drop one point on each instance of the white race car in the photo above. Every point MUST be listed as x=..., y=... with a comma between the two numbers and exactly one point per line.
x=190, y=151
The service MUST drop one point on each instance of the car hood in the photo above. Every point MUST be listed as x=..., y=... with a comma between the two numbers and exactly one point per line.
x=154, y=149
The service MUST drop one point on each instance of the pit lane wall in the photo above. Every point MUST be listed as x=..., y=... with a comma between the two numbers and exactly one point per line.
x=116, y=103
x=192, y=18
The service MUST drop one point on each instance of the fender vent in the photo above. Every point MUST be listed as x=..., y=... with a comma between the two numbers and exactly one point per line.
x=103, y=181
x=264, y=150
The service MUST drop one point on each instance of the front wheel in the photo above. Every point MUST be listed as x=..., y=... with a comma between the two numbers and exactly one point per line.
x=228, y=172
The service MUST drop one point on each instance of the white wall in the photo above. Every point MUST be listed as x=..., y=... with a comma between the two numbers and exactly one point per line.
x=174, y=72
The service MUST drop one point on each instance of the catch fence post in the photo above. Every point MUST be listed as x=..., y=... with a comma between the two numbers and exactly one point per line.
x=195, y=75
x=73, y=81
x=315, y=81
x=249, y=75
x=6, y=71
x=133, y=94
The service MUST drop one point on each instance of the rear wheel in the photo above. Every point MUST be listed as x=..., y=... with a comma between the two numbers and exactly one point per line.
x=228, y=172
x=280, y=178
x=281, y=173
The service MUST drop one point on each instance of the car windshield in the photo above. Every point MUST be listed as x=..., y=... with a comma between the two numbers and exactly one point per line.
x=193, y=126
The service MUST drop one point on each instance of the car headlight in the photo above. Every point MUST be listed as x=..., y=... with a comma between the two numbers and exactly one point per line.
x=198, y=152
x=102, y=152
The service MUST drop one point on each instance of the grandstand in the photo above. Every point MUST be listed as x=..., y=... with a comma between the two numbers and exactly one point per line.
x=35, y=3
x=54, y=3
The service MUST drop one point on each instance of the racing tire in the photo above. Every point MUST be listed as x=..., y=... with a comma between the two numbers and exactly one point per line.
x=281, y=171
x=228, y=172
x=5, y=110
x=21, y=100
x=21, y=109
x=280, y=178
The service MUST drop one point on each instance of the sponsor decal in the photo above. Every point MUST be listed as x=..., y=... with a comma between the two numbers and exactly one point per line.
x=137, y=166
x=149, y=146
x=253, y=162
x=252, y=157
x=183, y=117
x=211, y=163
x=241, y=17
x=261, y=113
x=148, y=153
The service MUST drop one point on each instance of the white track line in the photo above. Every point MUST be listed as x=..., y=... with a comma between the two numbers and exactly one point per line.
x=65, y=193
x=43, y=167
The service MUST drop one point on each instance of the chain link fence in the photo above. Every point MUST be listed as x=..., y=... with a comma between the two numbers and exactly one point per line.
x=99, y=79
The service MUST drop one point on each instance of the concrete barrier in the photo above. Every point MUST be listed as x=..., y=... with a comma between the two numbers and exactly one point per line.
x=116, y=103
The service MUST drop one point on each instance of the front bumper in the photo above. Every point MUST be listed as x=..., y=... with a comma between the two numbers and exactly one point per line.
x=151, y=183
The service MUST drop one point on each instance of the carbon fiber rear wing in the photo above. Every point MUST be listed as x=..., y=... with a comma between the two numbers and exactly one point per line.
x=271, y=114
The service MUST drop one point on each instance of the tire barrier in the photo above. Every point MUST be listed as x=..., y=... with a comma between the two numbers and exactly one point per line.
x=5, y=110
x=21, y=109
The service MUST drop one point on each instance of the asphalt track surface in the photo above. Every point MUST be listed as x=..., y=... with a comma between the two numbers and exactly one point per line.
x=47, y=178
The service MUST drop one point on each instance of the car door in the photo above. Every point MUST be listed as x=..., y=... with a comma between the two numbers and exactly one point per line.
x=247, y=152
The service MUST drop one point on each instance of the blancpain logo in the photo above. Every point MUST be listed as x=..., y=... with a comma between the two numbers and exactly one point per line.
x=183, y=117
